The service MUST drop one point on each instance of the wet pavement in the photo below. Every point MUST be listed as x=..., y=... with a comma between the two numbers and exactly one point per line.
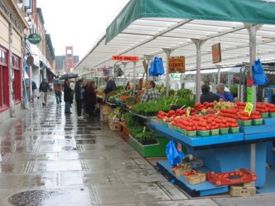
x=49, y=159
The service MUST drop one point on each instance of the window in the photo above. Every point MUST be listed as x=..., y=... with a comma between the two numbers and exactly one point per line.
x=17, y=78
x=4, y=79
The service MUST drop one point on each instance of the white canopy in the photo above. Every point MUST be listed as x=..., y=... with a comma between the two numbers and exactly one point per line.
x=148, y=36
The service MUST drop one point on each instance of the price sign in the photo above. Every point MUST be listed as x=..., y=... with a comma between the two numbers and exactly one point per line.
x=126, y=58
x=216, y=53
x=248, y=108
x=188, y=111
x=176, y=64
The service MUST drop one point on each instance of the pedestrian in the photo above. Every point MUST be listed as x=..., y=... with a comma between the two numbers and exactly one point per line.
x=208, y=96
x=44, y=88
x=90, y=98
x=110, y=86
x=34, y=91
x=79, y=97
x=226, y=96
x=151, y=93
x=68, y=96
x=58, y=91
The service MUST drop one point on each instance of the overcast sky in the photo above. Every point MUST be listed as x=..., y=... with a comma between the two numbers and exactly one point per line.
x=78, y=23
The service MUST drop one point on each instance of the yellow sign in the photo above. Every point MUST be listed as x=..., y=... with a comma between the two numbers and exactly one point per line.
x=248, y=108
x=176, y=64
x=188, y=111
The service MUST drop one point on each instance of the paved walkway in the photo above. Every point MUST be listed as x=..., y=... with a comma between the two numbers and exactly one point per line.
x=49, y=159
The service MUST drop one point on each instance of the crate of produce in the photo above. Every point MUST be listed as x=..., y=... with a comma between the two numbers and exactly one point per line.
x=194, y=177
x=204, y=133
x=231, y=178
x=257, y=121
x=191, y=133
x=242, y=191
x=265, y=114
x=179, y=170
x=234, y=130
x=214, y=132
x=224, y=130
x=272, y=114
x=245, y=122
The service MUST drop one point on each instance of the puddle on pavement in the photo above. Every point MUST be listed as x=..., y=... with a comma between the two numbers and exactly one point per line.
x=92, y=141
x=31, y=198
x=68, y=148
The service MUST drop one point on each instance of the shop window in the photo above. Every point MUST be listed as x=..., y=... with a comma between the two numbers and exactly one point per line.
x=4, y=79
x=17, y=78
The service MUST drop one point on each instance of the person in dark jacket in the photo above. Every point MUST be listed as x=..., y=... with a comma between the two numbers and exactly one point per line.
x=79, y=97
x=110, y=86
x=208, y=96
x=90, y=98
x=44, y=88
x=68, y=97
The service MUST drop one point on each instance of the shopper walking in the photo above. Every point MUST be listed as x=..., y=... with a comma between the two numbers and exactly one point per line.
x=58, y=92
x=68, y=97
x=79, y=97
x=34, y=91
x=44, y=88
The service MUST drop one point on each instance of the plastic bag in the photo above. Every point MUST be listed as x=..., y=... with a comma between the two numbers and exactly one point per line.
x=156, y=67
x=259, y=76
x=173, y=155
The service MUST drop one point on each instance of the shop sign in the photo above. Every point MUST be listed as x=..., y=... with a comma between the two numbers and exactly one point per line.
x=216, y=53
x=176, y=64
x=126, y=58
x=34, y=38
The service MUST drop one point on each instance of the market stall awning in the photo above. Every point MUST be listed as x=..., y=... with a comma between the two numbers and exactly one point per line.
x=145, y=27
x=246, y=11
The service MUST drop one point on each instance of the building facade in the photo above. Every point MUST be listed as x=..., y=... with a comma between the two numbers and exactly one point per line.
x=18, y=19
x=66, y=63
x=12, y=27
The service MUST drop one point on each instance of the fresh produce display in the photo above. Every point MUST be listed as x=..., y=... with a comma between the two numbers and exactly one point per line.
x=138, y=130
x=162, y=104
x=231, y=178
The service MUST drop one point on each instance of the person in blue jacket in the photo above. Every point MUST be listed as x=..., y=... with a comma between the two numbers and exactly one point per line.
x=226, y=96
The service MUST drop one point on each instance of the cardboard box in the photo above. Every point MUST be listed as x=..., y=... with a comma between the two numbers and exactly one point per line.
x=241, y=191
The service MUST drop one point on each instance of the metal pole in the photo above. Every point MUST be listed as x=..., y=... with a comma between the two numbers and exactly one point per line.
x=252, y=30
x=219, y=74
x=134, y=76
x=168, y=53
x=148, y=58
x=124, y=70
x=11, y=92
x=198, y=43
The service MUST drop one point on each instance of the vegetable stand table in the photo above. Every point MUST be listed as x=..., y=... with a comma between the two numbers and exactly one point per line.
x=221, y=153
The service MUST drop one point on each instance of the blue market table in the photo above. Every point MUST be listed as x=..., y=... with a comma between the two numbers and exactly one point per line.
x=222, y=153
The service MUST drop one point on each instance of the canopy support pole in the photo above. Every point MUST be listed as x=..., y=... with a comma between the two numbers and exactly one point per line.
x=124, y=70
x=168, y=54
x=219, y=74
x=148, y=58
x=252, y=31
x=134, y=77
x=198, y=43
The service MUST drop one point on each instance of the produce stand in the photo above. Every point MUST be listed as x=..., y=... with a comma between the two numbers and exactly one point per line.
x=222, y=153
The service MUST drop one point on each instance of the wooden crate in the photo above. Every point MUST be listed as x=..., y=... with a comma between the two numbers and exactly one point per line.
x=242, y=191
x=196, y=179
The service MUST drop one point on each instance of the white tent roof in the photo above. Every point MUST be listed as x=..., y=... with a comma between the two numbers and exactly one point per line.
x=147, y=36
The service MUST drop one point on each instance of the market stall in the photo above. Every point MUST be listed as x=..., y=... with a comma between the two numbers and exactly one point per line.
x=192, y=30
